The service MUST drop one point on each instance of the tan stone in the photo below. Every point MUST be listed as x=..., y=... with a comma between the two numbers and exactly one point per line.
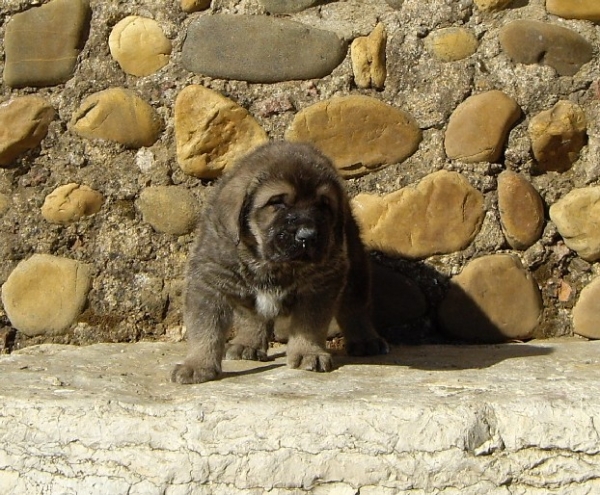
x=139, y=45
x=24, y=124
x=169, y=209
x=575, y=9
x=119, y=115
x=442, y=214
x=359, y=134
x=478, y=128
x=577, y=218
x=521, y=210
x=71, y=202
x=586, y=313
x=491, y=5
x=451, y=44
x=368, y=59
x=44, y=294
x=557, y=135
x=194, y=5
x=494, y=299
x=212, y=131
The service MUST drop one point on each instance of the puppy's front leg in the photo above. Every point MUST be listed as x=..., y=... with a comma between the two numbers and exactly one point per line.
x=308, y=333
x=207, y=319
x=252, y=336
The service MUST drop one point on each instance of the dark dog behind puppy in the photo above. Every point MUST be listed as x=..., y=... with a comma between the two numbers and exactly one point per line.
x=277, y=238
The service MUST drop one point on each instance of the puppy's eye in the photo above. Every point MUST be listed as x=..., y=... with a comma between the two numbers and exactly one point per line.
x=277, y=201
x=326, y=201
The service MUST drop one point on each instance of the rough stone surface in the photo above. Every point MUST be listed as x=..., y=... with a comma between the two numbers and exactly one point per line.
x=452, y=44
x=428, y=419
x=139, y=45
x=478, y=128
x=212, y=131
x=24, y=124
x=190, y=6
x=169, y=209
x=575, y=9
x=117, y=114
x=44, y=294
x=281, y=50
x=61, y=24
x=577, y=218
x=491, y=5
x=359, y=133
x=139, y=271
x=494, y=299
x=368, y=58
x=557, y=136
x=442, y=214
x=586, y=313
x=521, y=210
x=286, y=6
x=71, y=202
x=4, y=203
x=534, y=42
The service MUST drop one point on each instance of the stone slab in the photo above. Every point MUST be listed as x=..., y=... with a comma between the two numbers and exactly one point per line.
x=503, y=419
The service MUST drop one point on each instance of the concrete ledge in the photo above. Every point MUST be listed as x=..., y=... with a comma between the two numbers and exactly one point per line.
x=511, y=419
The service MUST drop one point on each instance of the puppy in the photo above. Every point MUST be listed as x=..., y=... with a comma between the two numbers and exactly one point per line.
x=277, y=238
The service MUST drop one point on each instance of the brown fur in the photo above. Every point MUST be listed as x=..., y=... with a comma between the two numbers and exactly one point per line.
x=277, y=238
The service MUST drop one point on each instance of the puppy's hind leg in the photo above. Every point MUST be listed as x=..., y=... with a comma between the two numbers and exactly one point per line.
x=207, y=320
x=252, y=336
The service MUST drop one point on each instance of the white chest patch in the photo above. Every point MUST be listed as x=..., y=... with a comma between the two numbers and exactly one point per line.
x=268, y=303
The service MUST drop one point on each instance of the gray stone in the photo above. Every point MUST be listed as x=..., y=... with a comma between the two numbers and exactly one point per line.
x=466, y=420
x=169, y=209
x=285, y=6
x=44, y=294
x=586, y=313
x=24, y=124
x=441, y=214
x=577, y=216
x=280, y=49
x=494, y=299
x=534, y=42
x=61, y=24
x=358, y=133
x=478, y=128
x=521, y=210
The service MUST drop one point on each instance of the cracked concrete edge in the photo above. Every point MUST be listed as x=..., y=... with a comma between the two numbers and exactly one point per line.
x=103, y=419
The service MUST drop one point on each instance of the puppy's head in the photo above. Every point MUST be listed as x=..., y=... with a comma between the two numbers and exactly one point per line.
x=293, y=205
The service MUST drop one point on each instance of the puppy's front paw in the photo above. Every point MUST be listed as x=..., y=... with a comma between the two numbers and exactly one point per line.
x=370, y=347
x=239, y=351
x=185, y=374
x=312, y=361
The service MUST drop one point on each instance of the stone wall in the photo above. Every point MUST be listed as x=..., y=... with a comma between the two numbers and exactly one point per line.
x=468, y=132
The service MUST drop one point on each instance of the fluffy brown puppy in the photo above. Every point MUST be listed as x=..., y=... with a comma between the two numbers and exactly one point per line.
x=277, y=238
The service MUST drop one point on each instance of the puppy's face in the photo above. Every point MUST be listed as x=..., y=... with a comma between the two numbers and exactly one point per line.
x=294, y=221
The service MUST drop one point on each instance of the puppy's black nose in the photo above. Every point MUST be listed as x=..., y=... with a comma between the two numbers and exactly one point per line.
x=305, y=234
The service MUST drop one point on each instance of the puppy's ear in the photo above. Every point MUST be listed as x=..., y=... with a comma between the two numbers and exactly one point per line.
x=234, y=202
